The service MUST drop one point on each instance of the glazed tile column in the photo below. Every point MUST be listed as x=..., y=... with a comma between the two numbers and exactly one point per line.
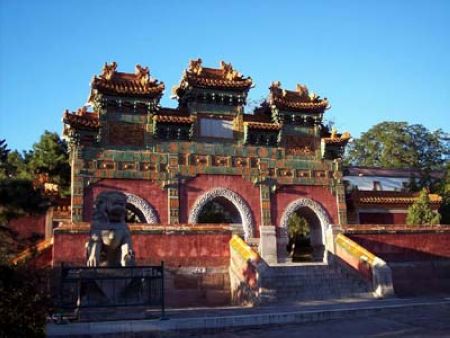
x=342, y=205
x=77, y=192
x=267, y=231
x=173, y=197
x=174, y=204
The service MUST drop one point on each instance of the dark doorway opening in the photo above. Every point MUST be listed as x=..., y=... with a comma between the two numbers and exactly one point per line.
x=220, y=210
x=305, y=236
x=134, y=215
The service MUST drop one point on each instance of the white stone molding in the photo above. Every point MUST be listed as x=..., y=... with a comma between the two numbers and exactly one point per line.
x=241, y=205
x=150, y=215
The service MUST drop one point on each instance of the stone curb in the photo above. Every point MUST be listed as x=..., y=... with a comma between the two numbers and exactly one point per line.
x=158, y=328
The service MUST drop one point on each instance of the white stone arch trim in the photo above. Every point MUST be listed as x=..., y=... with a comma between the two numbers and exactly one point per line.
x=241, y=205
x=320, y=212
x=150, y=215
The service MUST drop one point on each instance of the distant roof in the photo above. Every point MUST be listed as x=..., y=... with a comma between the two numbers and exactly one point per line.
x=390, y=197
x=387, y=172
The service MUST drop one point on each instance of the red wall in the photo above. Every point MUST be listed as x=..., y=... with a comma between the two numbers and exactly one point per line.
x=194, y=188
x=382, y=218
x=147, y=190
x=177, y=249
x=28, y=225
x=398, y=246
x=288, y=194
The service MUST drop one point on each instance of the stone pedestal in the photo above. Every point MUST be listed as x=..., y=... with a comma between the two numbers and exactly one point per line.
x=330, y=234
x=268, y=243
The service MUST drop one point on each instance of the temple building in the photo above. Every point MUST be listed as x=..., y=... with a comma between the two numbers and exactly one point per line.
x=261, y=167
x=383, y=196
x=212, y=190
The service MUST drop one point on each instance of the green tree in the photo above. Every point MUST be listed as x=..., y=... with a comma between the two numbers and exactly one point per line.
x=50, y=156
x=398, y=145
x=444, y=191
x=297, y=226
x=420, y=213
x=18, y=197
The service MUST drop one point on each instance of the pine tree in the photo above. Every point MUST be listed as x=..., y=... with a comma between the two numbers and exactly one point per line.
x=420, y=213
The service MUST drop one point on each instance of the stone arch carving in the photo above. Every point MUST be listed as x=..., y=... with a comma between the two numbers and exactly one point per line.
x=241, y=205
x=151, y=217
x=320, y=212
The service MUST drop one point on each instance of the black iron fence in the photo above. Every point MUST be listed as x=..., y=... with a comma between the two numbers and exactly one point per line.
x=105, y=287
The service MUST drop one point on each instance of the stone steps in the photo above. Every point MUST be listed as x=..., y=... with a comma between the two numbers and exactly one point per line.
x=311, y=282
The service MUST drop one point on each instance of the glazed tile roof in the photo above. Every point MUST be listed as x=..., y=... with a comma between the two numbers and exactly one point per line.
x=224, y=77
x=263, y=125
x=390, y=197
x=117, y=83
x=81, y=119
x=300, y=99
x=174, y=119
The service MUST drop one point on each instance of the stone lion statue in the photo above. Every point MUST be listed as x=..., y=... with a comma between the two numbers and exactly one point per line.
x=110, y=238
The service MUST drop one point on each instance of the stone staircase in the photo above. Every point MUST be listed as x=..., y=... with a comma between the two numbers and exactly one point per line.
x=311, y=281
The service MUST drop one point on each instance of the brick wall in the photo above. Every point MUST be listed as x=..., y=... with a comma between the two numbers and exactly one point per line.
x=288, y=194
x=400, y=246
x=382, y=218
x=177, y=247
x=196, y=260
x=419, y=258
x=28, y=226
x=195, y=187
x=147, y=190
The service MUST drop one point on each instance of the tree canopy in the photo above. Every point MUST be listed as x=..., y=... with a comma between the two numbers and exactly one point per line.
x=50, y=157
x=420, y=213
x=398, y=145
x=18, y=171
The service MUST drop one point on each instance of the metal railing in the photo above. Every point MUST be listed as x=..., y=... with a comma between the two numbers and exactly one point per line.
x=105, y=287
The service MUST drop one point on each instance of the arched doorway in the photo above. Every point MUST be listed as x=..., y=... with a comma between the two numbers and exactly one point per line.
x=317, y=221
x=139, y=211
x=220, y=210
x=223, y=204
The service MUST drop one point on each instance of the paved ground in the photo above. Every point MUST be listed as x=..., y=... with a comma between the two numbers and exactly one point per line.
x=330, y=319
x=428, y=322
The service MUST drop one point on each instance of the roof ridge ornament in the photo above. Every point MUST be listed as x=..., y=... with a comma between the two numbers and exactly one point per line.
x=228, y=71
x=302, y=90
x=143, y=75
x=195, y=66
x=109, y=70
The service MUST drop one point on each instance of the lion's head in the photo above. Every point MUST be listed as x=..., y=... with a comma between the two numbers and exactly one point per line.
x=110, y=206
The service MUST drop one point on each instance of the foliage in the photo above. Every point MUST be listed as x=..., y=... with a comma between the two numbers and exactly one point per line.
x=18, y=197
x=398, y=145
x=444, y=191
x=420, y=213
x=215, y=212
x=3, y=153
x=297, y=226
x=24, y=301
x=50, y=157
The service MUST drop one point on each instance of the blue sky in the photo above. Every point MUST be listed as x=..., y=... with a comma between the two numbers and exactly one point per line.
x=374, y=60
